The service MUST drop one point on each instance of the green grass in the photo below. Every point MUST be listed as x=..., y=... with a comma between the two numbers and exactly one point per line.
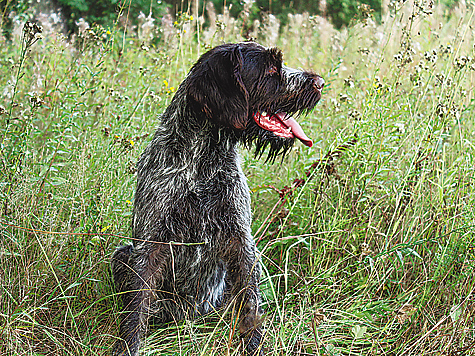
x=373, y=254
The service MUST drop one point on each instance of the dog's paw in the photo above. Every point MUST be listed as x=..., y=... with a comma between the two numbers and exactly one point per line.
x=253, y=342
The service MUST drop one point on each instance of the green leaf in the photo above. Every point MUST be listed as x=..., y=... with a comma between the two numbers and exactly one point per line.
x=358, y=331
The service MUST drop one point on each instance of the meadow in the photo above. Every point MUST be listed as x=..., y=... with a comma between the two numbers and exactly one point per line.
x=367, y=238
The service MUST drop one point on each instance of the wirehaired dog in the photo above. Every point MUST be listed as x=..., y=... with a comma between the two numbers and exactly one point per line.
x=192, y=244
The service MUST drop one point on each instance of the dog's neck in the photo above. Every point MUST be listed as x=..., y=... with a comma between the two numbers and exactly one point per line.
x=186, y=137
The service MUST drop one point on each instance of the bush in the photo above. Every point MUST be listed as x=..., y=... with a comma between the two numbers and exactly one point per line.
x=105, y=12
x=10, y=8
x=340, y=12
x=102, y=12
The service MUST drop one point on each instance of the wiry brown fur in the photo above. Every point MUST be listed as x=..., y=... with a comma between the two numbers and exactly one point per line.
x=193, y=247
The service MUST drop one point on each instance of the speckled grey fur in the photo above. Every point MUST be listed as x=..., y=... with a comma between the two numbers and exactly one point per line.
x=191, y=190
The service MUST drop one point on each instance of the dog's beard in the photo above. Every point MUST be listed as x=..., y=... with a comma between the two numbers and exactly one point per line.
x=263, y=139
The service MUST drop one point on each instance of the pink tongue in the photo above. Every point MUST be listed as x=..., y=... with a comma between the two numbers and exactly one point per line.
x=295, y=127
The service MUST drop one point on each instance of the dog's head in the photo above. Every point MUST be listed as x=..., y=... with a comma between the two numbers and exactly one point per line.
x=246, y=88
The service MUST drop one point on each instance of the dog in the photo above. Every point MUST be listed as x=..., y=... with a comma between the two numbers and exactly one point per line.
x=192, y=247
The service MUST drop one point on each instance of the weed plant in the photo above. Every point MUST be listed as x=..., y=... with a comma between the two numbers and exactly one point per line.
x=367, y=238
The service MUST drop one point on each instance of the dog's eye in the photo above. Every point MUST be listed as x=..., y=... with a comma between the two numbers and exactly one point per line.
x=272, y=70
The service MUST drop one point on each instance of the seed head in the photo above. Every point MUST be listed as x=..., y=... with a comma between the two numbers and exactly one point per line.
x=441, y=110
x=31, y=32
x=431, y=56
x=106, y=131
x=354, y=114
x=36, y=101
x=349, y=82
x=461, y=62
x=343, y=97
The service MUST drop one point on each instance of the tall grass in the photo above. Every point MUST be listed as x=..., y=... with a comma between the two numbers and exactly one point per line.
x=367, y=238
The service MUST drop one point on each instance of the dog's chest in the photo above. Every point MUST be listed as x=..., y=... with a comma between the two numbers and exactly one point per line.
x=224, y=195
x=198, y=199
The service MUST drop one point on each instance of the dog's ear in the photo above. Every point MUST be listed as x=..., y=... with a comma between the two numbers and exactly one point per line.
x=215, y=87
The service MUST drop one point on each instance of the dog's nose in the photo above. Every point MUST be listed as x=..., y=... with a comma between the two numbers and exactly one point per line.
x=318, y=83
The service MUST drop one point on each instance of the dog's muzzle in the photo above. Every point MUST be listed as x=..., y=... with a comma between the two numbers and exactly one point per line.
x=318, y=83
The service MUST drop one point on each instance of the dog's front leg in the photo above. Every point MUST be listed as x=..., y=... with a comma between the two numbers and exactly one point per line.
x=136, y=273
x=243, y=271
